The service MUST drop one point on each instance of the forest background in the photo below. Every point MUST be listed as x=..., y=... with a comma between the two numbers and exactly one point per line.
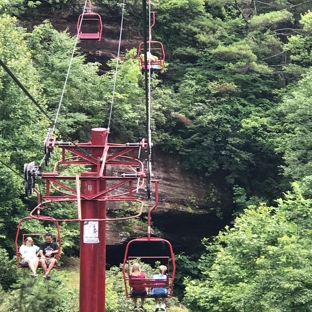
x=239, y=75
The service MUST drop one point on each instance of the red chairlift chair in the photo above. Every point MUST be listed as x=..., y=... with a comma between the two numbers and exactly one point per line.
x=37, y=238
x=155, y=53
x=89, y=25
x=155, y=56
x=154, y=244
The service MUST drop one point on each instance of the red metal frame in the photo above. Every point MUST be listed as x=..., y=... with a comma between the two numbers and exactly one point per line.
x=20, y=238
x=156, y=48
x=154, y=244
x=89, y=20
x=115, y=176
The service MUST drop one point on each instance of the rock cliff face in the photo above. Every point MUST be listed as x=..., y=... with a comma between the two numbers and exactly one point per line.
x=190, y=207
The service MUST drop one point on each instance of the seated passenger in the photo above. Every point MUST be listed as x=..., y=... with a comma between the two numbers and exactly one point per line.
x=160, y=291
x=150, y=57
x=47, y=252
x=28, y=252
x=137, y=291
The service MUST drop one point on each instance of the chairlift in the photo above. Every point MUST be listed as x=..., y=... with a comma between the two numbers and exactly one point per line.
x=38, y=238
x=89, y=25
x=155, y=53
x=154, y=244
x=155, y=56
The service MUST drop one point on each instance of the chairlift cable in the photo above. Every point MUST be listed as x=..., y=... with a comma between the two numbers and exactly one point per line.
x=146, y=83
x=20, y=85
x=6, y=165
x=148, y=95
x=51, y=130
x=67, y=75
x=24, y=89
x=116, y=68
x=149, y=86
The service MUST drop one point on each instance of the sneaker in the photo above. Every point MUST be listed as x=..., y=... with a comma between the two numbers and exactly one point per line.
x=157, y=309
x=142, y=309
x=34, y=275
x=162, y=309
x=47, y=277
x=136, y=308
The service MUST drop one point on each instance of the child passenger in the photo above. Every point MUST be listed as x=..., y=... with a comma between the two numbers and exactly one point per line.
x=160, y=291
x=137, y=291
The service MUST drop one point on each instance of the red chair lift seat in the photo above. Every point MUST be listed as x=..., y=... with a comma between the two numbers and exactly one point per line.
x=149, y=283
x=157, y=62
x=89, y=26
x=19, y=239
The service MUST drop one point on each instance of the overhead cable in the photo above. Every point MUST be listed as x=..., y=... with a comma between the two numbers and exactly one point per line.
x=24, y=89
x=116, y=68
x=6, y=165
x=68, y=72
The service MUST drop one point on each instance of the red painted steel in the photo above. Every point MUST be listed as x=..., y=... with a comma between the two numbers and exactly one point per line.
x=154, y=244
x=157, y=50
x=19, y=237
x=93, y=255
x=89, y=25
x=155, y=54
x=115, y=175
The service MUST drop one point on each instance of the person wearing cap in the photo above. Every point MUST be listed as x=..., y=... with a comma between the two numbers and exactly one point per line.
x=28, y=252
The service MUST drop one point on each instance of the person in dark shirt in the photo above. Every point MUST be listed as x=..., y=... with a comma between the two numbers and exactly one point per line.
x=47, y=252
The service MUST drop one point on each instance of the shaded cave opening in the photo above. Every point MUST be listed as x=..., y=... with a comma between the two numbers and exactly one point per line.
x=183, y=230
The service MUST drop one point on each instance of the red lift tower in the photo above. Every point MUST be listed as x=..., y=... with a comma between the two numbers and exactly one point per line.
x=114, y=178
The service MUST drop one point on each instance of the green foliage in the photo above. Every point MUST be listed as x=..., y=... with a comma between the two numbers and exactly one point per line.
x=30, y=294
x=82, y=104
x=294, y=138
x=218, y=106
x=116, y=300
x=133, y=8
x=262, y=263
x=299, y=47
x=187, y=267
x=186, y=30
x=127, y=99
x=273, y=20
x=8, y=270
x=229, y=95
x=11, y=7
x=22, y=126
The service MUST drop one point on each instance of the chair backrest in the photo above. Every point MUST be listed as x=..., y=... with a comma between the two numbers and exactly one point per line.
x=89, y=26
x=149, y=282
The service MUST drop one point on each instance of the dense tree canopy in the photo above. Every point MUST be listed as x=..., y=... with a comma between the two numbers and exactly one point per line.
x=233, y=104
x=262, y=263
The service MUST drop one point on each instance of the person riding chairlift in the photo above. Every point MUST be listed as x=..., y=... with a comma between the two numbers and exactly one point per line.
x=150, y=57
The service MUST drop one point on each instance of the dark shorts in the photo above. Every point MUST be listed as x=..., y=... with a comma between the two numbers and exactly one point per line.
x=138, y=294
x=48, y=260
